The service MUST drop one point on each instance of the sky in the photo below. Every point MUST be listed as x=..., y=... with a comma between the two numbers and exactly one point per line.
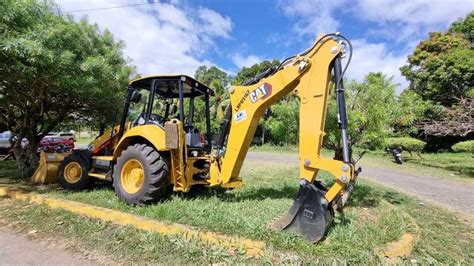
x=178, y=36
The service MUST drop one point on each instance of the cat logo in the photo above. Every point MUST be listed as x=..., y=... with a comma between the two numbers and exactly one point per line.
x=261, y=92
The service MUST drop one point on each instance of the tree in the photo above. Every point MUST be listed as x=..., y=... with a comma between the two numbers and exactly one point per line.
x=371, y=109
x=217, y=80
x=54, y=70
x=410, y=109
x=464, y=26
x=283, y=121
x=457, y=120
x=212, y=74
x=441, y=69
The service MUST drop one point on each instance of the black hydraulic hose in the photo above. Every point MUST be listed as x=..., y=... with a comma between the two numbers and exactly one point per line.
x=260, y=76
x=341, y=106
x=273, y=70
x=225, y=128
x=208, y=123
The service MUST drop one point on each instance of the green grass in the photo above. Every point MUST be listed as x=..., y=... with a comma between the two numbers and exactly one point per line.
x=8, y=169
x=373, y=217
x=274, y=148
x=437, y=164
x=248, y=211
x=452, y=164
x=462, y=163
x=83, y=141
x=112, y=244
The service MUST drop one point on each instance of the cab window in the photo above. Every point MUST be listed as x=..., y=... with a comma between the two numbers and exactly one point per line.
x=137, y=110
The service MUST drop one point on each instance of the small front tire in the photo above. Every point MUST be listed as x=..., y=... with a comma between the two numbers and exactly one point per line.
x=74, y=172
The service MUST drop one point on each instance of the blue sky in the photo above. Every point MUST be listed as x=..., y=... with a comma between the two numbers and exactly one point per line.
x=177, y=36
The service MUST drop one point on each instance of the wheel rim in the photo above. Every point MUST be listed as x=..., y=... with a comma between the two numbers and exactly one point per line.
x=73, y=172
x=132, y=176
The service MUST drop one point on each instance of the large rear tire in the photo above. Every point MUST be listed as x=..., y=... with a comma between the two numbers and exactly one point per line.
x=141, y=175
x=74, y=172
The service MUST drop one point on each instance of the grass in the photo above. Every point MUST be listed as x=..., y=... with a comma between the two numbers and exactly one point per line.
x=451, y=164
x=247, y=212
x=274, y=148
x=111, y=243
x=373, y=217
x=436, y=164
x=462, y=163
x=83, y=141
x=8, y=169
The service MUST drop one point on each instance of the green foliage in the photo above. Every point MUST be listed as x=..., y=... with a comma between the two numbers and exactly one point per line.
x=217, y=80
x=407, y=144
x=54, y=70
x=370, y=110
x=465, y=26
x=464, y=146
x=247, y=73
x=441, y=68
x=410, y=108
x=209, y=77
x=283, y=123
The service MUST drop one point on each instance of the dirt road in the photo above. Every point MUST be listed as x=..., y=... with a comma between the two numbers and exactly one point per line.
x=16, y=249
x=447, y=193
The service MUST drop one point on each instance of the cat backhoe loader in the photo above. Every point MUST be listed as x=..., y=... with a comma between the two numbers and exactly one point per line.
x=158, y=143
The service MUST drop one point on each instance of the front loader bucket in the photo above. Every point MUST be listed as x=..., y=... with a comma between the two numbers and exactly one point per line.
x=48, y=169
x=310, y=215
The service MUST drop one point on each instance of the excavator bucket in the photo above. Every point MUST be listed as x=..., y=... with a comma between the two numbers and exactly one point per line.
x=48, y=169
x=310, y=215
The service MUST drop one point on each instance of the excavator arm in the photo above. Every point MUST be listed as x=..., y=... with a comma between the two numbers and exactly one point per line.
x=308, y=76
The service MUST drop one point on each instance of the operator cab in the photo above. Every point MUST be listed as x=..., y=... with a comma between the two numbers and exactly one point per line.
x=158, y=99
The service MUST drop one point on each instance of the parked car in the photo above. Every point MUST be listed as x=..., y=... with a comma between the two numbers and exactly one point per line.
x=56, y=144
x=5, y=139
x=64, y=135
x=5, y=142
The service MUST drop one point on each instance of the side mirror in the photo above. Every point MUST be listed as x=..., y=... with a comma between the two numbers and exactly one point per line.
x=135, y=97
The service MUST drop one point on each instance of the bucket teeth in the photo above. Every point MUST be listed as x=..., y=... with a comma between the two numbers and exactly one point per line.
x=310, y=215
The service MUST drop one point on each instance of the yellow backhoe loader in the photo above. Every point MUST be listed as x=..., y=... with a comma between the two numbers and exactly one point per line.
x=158, y=145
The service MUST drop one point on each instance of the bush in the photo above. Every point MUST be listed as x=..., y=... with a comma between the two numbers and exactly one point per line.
x=407, y=144
x=464, y=146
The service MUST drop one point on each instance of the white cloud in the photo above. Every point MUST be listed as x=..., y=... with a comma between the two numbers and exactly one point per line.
x=160, y=38
x=375, y=57
x=405, y=22
x=314, y=16
x=409, y=20
x=215, y=24
x=419, y=12
x=245, y=61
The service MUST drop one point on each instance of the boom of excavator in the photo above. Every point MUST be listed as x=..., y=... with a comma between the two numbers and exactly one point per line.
x=157, y=143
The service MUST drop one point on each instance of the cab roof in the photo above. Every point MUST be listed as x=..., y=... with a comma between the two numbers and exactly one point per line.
x=167, y=85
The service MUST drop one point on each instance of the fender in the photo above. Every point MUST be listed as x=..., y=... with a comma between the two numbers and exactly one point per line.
x=151, y=133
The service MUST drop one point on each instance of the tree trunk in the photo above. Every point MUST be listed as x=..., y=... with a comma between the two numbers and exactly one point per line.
x=26, y=157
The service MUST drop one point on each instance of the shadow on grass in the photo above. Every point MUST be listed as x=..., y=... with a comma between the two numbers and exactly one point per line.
x=368, y=196
x=282, y=192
